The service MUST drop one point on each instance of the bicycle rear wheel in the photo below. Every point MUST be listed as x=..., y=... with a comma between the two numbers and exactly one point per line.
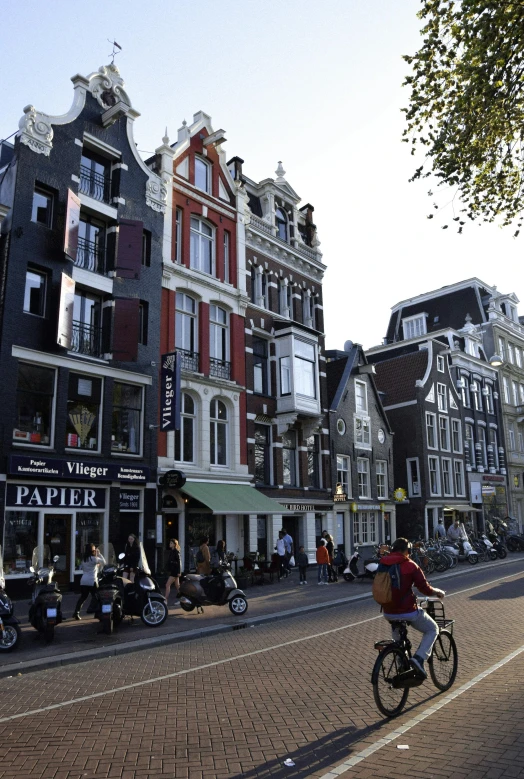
x=389, y=664
x=443, y=662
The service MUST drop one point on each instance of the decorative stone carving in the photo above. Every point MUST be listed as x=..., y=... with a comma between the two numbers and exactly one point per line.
x=107, y=86
x=36, y=131
x=156, y=194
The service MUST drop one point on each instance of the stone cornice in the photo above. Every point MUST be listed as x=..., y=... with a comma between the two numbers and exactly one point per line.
x=264, y=244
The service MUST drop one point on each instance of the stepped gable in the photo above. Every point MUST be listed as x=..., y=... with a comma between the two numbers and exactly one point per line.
x=397, y=377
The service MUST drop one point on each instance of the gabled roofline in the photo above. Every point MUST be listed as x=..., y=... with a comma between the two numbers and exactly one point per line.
x=472, y=282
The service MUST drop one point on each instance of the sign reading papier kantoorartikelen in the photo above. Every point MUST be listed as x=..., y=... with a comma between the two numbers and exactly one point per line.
x=170, y=392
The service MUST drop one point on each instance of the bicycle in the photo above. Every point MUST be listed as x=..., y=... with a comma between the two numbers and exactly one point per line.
x=392, y=674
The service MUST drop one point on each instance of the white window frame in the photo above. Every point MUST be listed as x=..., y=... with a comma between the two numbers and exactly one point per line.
x=436, y=470
x=458, y=470
x=186, y=415
x=443, y=428
x=442, y=397
x=187, y=319
x=227, y=256
x=382, y=478
x=411, y=491
x=293, y=460
x=481, y=439
x=365, y=527
x=207, y=167
x=218, y=333
x=214, y=421
x=414, y=326
x=440, y=363
x=202, y=236
x=456, y=433
x=447, y=469
x=363, y=477
x=362, y=431
x=178, y=236
x=466, y=397
x=477, y=399
x=511, y=353
x=361, y=401
x=518, y=357
x=505, y=390
x=493, y=439
x=511, y=437
x=502, y=349
x=489, y=399
x=344, y=468
x=433, y=426
x=515, y=388
x=305, y=364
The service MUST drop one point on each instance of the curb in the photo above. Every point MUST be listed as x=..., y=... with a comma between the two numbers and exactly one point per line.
x=45, y=663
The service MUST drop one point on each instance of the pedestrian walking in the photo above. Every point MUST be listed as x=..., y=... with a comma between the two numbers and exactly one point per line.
x=302, y=562
x=218, y=556
x=203, y=557
x=281, y=552
x=132, y=557
x=89, y=579
x=440, y=530
x=173, y=566
x=330, y=546
x=288, y=541
x=322, y=560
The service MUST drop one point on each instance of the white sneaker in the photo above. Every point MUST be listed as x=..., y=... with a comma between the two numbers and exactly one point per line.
x=320, y=583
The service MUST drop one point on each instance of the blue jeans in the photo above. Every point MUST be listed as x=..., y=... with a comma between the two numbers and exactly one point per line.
x=421, y=621
x=322, y=572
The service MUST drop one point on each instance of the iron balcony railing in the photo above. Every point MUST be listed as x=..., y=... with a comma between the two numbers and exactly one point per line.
x=86, y=339
x=96, y=185
x=219, y=368
x=90, y=255
x=189, y=360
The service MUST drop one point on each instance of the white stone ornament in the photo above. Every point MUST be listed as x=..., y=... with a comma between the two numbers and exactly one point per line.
x=107, y=86
x=36, y=131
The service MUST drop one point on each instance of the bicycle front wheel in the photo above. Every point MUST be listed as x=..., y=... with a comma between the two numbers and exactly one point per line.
x=443, y=662
x=389, y=664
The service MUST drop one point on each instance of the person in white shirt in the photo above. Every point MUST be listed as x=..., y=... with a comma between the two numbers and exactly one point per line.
x=456, y=532
x=89, y=580
x=281, y=551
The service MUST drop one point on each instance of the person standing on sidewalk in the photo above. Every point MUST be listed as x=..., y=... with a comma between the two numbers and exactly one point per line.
x=281, y=552
x=330, y=546
x=288, y=541
x=173, y=566
x=89, y=579
x=302, y=562
x=322, y=560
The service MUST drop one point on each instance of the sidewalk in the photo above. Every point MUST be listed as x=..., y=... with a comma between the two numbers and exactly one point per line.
x=82, y=641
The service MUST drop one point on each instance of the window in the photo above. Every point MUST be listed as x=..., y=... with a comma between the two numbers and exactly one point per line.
x=466, y=398
x=127, y=418
x=362, y=431
x=202, y=246
x=494, y=444
x=42, y=211
x=365, y=527
x=185, y=437
x=186, y=330
x=289, y=458
x=430, y=430
x=440, y=363
x=285, y=375
x=343, y=473
x=518, y=357
x=341, y=427
x=521, y=392
x=456, y=435
x=281, y=223
x=262, y=454
x=470, y=445
x=202, y=177
x=489, y=398
x=414, y=326
x=502, y=349
x=83, y=412
x=218, y=333
x=413, y=477
x=95, y=177
x=515, y=388
x=520, y=436
x=178, y=236
x=304, y=364
x=505, y=390
x=459, y=477
x=511, y=436
x=307, y=308
x=382, y=479
x=91, y=251
x=259, y=287
x=218, y=429
x=285, y=299
x=313, y=461
x=477, y=400
x=227, y=242
x=447, y=476
x=482, y=441
x=434, y=476
x=86, y=337
x=444, y=433
x=363, y=477
x=361, y=398
x=442, y=398
x=146, y=248
x=143, y=311
x=35, y=292
x=260, y=366
x=511, y=353
x=34, y=405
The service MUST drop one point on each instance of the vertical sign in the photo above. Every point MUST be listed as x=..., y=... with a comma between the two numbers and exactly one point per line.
x=170, y=392
x=65, y=312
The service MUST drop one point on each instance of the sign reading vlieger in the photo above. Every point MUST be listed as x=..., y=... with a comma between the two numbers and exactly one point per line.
x=170, y=392
x=83, y=470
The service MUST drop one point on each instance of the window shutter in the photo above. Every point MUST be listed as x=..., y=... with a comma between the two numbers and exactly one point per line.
x=125, y=329
x=129, y=253
x=71, y=226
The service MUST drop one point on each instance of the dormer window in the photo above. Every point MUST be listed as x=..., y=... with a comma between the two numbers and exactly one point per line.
x=414, y=326
x=281, y=224
x=202, y=174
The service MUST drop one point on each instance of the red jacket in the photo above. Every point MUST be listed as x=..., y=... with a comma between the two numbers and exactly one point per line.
x=404, y=600
x=322, y=554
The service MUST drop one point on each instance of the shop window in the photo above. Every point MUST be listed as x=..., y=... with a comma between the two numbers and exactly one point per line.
x=127, y=413
x=83, y=412
x=20, y=538
x=88, y=531
x=365, y=527
x=185, y=437
x=34, y=405
x=35, y=292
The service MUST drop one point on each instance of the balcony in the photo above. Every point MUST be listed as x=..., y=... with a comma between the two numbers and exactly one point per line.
x=219, y=368
x=90, y=256
x=86, y=339
x=189, y=361
x=96, y=185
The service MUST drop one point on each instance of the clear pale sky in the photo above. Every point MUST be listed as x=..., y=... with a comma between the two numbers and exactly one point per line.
x=314, y=84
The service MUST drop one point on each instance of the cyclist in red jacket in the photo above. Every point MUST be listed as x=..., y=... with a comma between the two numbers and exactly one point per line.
x=404, y=604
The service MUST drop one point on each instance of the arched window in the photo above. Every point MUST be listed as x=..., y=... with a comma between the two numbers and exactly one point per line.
x=202, y=175
x=185, y=437
x=202, y=246
x=218, y=432
x=281, y=223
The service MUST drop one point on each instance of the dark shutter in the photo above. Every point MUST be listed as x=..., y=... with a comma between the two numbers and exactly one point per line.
x=125, y=329
x=71, y=225
x=129, y=253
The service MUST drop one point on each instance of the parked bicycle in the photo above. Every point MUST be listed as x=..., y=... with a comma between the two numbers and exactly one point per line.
x=393, y=675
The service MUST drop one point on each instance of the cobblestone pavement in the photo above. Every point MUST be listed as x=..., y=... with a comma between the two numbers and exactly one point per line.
x=239, y=703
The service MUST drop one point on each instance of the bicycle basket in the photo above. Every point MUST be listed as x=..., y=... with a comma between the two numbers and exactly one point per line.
x=435, y=609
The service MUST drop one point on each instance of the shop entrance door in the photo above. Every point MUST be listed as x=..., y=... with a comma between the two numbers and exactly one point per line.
x=57, y=537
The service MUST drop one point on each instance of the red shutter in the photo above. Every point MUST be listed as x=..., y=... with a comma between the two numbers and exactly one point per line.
x=126, y=329
x=129, y=253
x=71, y=225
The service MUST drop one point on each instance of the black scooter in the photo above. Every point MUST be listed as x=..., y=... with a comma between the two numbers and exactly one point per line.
x=45, y=610
x=217, y=589
x=10, y=632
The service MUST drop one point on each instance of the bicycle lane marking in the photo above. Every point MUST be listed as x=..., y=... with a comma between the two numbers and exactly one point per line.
x=214, y=664
x=382, y=742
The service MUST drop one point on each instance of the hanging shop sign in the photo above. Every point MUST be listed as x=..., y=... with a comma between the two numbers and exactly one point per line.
x=170, y=392
x=26, y=495
x=129, y=500
x=78, y=470
x=400, y=495
x=339, y=496
x=172, y=479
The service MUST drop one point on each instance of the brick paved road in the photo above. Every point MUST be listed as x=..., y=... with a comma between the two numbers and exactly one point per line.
x=238, y=704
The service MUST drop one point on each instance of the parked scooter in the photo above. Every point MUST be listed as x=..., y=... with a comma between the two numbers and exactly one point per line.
x=116, y=597
x=217, y=589
x=489, y=546
x=45, y=610
x=10, y=632
x=355, y=571
x=497, y=536
x=462, y=550
x=514, y=541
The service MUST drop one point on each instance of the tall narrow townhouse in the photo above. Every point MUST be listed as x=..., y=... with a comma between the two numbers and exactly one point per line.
x=81, y=270
x=287, y=428
x=207, y=487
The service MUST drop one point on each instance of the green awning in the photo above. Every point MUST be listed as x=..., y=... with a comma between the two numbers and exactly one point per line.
x=232, y=498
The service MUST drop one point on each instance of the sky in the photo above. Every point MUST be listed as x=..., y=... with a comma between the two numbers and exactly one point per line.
x=317, y=85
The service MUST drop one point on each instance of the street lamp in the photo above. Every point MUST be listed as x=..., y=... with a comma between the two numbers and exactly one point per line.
x=496, y=361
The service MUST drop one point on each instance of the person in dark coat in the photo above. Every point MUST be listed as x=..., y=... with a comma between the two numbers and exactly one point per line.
x=132, y=557
x=173, y=566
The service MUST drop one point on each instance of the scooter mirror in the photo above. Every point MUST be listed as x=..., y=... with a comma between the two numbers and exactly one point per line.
x=121, y=556
x=31, y=568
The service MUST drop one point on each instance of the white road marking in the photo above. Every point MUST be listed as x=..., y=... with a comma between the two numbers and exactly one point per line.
x=216, y=663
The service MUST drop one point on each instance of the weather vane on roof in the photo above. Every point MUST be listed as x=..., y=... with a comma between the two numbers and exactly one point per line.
x=113, y=54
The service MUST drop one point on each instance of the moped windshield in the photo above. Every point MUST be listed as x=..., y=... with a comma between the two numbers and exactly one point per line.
x=41, y=557
x=142, y=563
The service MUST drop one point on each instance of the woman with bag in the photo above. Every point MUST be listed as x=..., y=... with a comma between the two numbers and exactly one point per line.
x=173, y=566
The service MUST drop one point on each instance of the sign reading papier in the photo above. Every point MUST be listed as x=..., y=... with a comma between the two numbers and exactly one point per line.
x=170, y=392
x=28, y=495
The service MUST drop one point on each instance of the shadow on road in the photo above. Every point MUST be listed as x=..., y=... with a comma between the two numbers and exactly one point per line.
x=506, y=590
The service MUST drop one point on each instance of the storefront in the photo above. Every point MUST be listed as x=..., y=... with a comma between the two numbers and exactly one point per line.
x=62, y=505
x=489, y=495
x=363, y=524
